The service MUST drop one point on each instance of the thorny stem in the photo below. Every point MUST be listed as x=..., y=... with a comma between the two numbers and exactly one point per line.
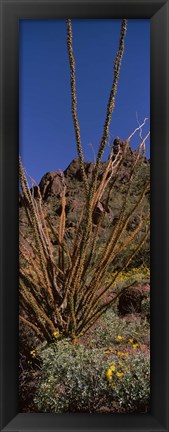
x=74, y=104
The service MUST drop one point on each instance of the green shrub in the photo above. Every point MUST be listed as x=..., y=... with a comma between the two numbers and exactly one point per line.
x=77, y=379
x=132, y=388
x=111, y=325
x=73, y=378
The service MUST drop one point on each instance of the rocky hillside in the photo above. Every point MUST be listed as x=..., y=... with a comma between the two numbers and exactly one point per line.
x=51, y=186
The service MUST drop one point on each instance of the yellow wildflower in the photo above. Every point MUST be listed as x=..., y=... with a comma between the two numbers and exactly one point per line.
x=56, y=334
x=109, y=374
x=135, y=345
x=119, y=374
x=131, y=341
x=108, y=351
x=33, y=353
x=119, y=337
x=122, y=354
x=112, y=367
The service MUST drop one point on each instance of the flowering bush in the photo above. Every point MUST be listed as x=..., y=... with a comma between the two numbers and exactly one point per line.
x=73, y=378
x=142, y=274
x=111, y=326
x=76, y=379
x=129, y=380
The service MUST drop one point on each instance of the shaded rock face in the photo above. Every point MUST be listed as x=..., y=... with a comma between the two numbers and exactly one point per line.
x=131, y=299
x=73, y=171
x=117, y=144
x=51, y=184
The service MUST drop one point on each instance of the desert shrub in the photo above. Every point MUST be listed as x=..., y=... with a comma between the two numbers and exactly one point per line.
x=75, y=378
x=130, y=382
x=110, y=326
x=142, y=274
x=139, y=274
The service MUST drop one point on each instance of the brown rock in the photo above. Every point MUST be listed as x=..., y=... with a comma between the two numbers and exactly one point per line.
x=97, y=213
x=51, y=184
x=130, y=300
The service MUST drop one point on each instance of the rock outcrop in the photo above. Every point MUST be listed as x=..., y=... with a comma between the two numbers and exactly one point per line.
x=131, y=299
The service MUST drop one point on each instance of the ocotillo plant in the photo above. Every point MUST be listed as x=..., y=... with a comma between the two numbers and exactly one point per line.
x=65, y=295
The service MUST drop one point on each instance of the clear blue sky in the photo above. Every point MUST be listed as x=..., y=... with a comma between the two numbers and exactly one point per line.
x=47, y=140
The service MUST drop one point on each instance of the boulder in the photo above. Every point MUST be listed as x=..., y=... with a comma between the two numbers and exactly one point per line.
x=130, y=300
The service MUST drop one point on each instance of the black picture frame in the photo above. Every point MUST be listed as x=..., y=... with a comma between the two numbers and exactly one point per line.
x=158, y=12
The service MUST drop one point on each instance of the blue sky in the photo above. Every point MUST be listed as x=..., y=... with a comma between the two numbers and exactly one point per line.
x=47, y=139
